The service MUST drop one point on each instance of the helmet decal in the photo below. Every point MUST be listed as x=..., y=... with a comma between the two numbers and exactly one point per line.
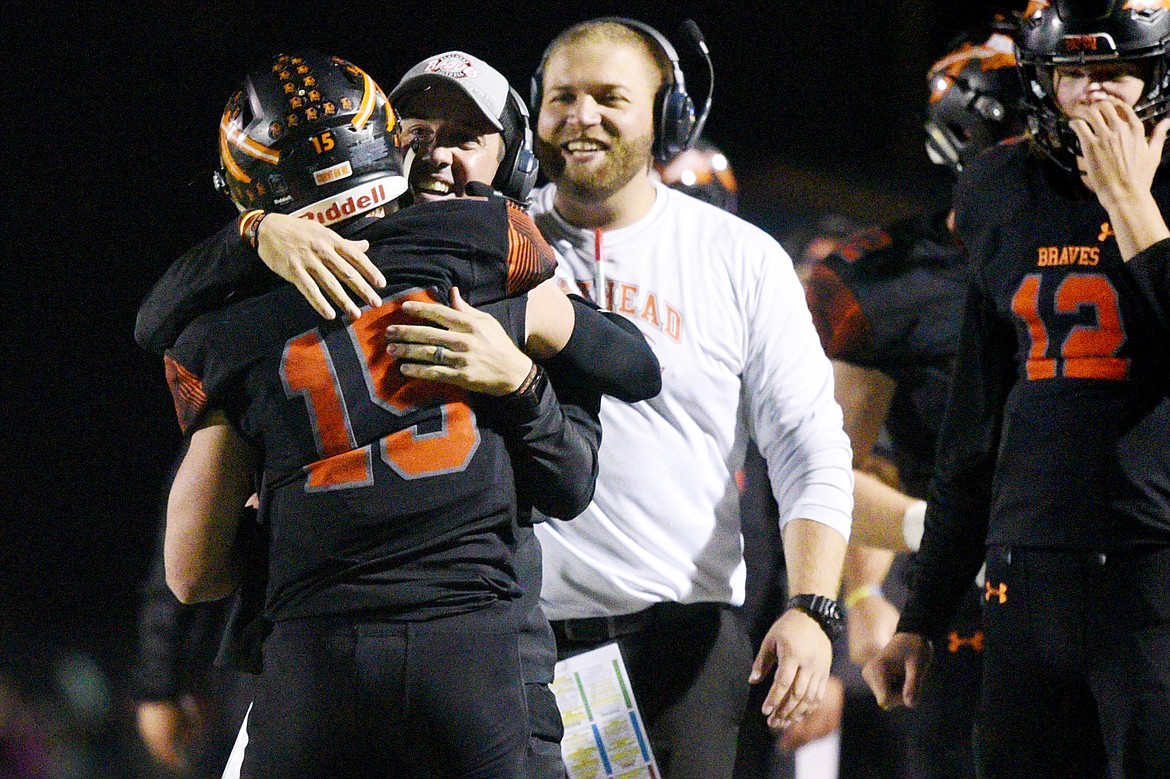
x=231, y=128
x=370, y=93
x=1139, y=6
x=1035, y=7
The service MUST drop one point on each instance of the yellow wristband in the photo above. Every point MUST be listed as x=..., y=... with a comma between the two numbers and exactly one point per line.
x=861, y=593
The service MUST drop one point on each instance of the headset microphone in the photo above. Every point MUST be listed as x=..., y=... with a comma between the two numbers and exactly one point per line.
x=697, y=36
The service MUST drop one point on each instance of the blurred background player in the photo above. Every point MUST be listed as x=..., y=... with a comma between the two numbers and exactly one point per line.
x=1052, y=466
x=888, y=305
x=704, y=173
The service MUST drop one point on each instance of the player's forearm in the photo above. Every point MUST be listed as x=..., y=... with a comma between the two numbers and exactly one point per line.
x=1137, y=223
x=1150, y=270
x=554, y=451
x=608, y=354
x=814, y=554
x=865, y=567
x=203, y=512
x=879, y=513
x=941, y=572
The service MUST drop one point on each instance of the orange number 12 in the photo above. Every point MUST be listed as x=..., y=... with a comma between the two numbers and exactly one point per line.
x=1088, y=351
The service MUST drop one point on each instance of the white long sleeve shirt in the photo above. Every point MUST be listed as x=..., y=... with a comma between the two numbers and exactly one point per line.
x=720, y=304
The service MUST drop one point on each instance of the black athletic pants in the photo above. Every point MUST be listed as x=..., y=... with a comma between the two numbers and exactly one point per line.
x=1076, y=676
x=538, y=658
x=344, y=698
x=688, y=666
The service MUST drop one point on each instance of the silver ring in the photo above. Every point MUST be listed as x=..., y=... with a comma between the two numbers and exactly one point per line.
x=438, y=355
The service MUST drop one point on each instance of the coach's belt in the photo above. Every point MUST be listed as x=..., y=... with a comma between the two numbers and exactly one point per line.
x=593, y=629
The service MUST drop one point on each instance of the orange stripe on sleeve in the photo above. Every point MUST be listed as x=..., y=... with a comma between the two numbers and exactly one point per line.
x=187, y=392
x=530, y=259
x=841, y=324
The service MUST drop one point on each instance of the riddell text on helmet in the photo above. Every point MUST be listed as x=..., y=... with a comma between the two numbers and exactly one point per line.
x=353, y=201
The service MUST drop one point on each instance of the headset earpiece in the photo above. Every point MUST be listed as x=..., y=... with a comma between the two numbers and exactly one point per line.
x=519, y=168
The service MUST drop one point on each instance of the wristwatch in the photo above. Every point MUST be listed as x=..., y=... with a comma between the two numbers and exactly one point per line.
x=824, y=610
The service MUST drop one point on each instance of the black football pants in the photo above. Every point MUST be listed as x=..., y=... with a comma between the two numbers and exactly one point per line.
x=688, y=668
x=345, y=699
x=1077, y=665
x=538, y=659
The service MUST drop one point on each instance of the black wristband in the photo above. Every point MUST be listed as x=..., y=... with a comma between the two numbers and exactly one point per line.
x=824, y=610
x=529, y=380
x=523, y=403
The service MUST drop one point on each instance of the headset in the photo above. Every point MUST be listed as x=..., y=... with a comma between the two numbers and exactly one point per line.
x=675, y=124
x=519, y=168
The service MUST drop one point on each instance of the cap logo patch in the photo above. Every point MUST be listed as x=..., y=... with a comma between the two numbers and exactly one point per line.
x=453, y=66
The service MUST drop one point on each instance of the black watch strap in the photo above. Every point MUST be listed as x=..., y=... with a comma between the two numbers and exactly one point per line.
x=824, y=610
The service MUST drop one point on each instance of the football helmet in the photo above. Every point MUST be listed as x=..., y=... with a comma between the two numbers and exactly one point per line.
x=1075, y=32
x=975, y=101
x=313, y=136
x=702, y=172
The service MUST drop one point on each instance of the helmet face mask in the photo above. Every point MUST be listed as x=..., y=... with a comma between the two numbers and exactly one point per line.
x=1081, y=32
x=312, y=136
x=975, y=101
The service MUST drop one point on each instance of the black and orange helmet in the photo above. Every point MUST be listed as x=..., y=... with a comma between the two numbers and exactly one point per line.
x=703, y=172
x=310, y=135
x=1076, y=32
x=975, y=100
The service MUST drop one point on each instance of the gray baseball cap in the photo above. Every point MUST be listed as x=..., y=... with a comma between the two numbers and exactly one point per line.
x=478, y=80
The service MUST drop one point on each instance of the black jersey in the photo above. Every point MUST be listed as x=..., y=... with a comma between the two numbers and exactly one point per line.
x=891, y=299
x=383, y=493
x=1055, y=435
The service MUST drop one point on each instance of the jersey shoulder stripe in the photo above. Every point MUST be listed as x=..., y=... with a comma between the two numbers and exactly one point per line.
x=187, y=393
x=841, y=324
x=531, y=260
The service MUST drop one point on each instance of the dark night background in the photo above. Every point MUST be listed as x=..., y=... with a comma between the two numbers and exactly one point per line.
x=112, y=112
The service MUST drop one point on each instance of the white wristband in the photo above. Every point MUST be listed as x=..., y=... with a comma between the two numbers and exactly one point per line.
x=913, y=523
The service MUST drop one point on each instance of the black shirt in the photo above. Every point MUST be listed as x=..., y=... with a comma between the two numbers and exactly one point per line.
x=382, y=493
x=1056, y=427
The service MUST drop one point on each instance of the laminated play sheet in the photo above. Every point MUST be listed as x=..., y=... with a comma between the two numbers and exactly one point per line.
x=604, y=734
